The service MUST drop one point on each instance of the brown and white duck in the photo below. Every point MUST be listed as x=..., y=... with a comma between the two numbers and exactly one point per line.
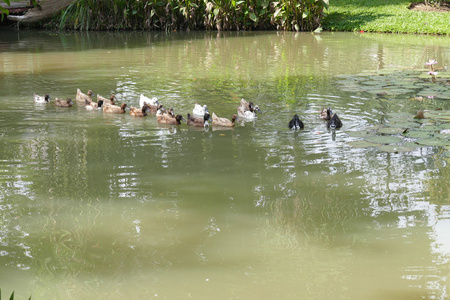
x=114, y=109
x=224, y=122
x=81, y=97
x=63, y=103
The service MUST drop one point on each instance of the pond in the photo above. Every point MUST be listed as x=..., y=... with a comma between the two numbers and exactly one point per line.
x=104, y=206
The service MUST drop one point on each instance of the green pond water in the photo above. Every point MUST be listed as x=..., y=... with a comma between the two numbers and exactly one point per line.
x=97, y=206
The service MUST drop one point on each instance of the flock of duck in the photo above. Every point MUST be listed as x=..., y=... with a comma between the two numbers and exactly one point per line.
x=200, y=115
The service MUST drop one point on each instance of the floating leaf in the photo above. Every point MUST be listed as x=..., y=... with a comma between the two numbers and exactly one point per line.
x=433, y=142
x=447, y=153
x=391, y=130
x=418, y=134
x=360, y=133
x=384, y=139
x=395, y=148
x=362, y=144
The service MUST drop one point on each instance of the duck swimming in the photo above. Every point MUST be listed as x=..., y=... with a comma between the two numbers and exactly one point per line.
x=114, y=109
x=247, y=110
x=216, y=121
x=40, y=99
x=81, y=96
x=111, y=99
x=63, y=103
x=168, y=118
x=296, y=123
x=326, y=113
x=334, y=122
x=198, y=122
x=200, y=110
x=143, y=99
x=91, y=105
x=139, y=112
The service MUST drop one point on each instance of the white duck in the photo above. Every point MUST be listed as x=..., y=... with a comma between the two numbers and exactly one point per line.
x=246, y=110
x=143, y=100
x=200, y=110
x=40, y=99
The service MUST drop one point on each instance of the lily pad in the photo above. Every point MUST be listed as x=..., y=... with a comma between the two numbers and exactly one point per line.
x=447, y=153
x=362, y=144
x=395, y=148
x=391, y=130
x=384, y=139
x=360, y=133
x=418, y=134
x=433, y=142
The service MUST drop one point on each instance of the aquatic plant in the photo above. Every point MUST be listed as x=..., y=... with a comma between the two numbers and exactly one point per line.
x=11, y=297
x=432, y=73
x=192, y=15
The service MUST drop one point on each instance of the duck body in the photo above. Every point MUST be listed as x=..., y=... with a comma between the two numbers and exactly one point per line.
x=81, y=97
x=247, y=110
x=168, y=118
x=139, y=112
x=111, y=99
x=199, y=110
x=63, y=103
x=91, y=105
x=198, y=121
x=144, y=99
x=296, y=123
x=334, y=122
x=114, y=109
x=40, y=99
x=224, y=122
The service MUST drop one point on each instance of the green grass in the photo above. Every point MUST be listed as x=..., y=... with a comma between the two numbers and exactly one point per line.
x=384, y=16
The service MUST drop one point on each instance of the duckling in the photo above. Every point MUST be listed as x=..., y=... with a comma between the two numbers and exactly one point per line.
x=63, y=103
x=40, y=99
x=326, y=113
x=139, y=112
x=114, y=109
x=200, y=110
x=334, y=122
x=81, y=96
x=216, y=121
x=91, y=105
x=296, y=123
x=247, y=110
x=143, y=99
x=198, y=122
x=107, y=101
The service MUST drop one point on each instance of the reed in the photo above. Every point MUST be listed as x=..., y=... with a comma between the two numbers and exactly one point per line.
x=192, y=15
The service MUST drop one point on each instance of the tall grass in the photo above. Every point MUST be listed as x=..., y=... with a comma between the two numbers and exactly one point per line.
x=192, y=15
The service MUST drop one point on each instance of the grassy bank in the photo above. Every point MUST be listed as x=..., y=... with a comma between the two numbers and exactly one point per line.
x=384, y=16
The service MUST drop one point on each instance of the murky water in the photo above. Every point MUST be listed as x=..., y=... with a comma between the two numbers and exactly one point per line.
x=97, y=206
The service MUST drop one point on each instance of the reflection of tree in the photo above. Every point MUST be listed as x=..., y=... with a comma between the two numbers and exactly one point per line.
x=437, y=187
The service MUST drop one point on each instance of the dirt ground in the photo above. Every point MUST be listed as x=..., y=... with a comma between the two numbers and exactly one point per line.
x=422, y=7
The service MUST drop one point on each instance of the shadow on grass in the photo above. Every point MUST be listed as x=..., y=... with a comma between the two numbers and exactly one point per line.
x=350, y=22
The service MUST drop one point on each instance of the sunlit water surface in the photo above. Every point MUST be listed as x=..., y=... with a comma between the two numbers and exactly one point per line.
x=97, y=206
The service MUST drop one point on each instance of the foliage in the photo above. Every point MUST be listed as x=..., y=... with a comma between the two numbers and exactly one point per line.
x=192, y=15
x=12, y=295
x=4, y=11
x=384, y=16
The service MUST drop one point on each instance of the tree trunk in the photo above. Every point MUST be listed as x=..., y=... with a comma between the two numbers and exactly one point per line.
x=47, y=9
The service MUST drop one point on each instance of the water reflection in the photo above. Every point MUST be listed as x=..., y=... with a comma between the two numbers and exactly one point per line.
x=98, y=205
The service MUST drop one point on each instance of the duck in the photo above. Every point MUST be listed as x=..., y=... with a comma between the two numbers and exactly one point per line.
x=200, y=110
x=198, y=122
x=91, y=105
x=420, y=115
x=167, y=118
x=216, y=121
x=144, y=99
x=296, y=123
x=114, y=109
x=326, y=113
x=81, y=96
x=63, y=103
x=247, y=110
x=40, y=99
x=334, y=122
x=106, y=100
x=139, y=112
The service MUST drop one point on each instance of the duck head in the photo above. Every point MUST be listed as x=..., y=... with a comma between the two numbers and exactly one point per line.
x=47, y=98
x=329, y=113
x=90, y=93
x=69, y=101
x=335, y=122
x=180, y=118
x=100, y=103
x=256, y=109
x=234, y=118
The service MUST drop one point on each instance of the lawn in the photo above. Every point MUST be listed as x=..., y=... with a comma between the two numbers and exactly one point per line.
x=384, y=16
